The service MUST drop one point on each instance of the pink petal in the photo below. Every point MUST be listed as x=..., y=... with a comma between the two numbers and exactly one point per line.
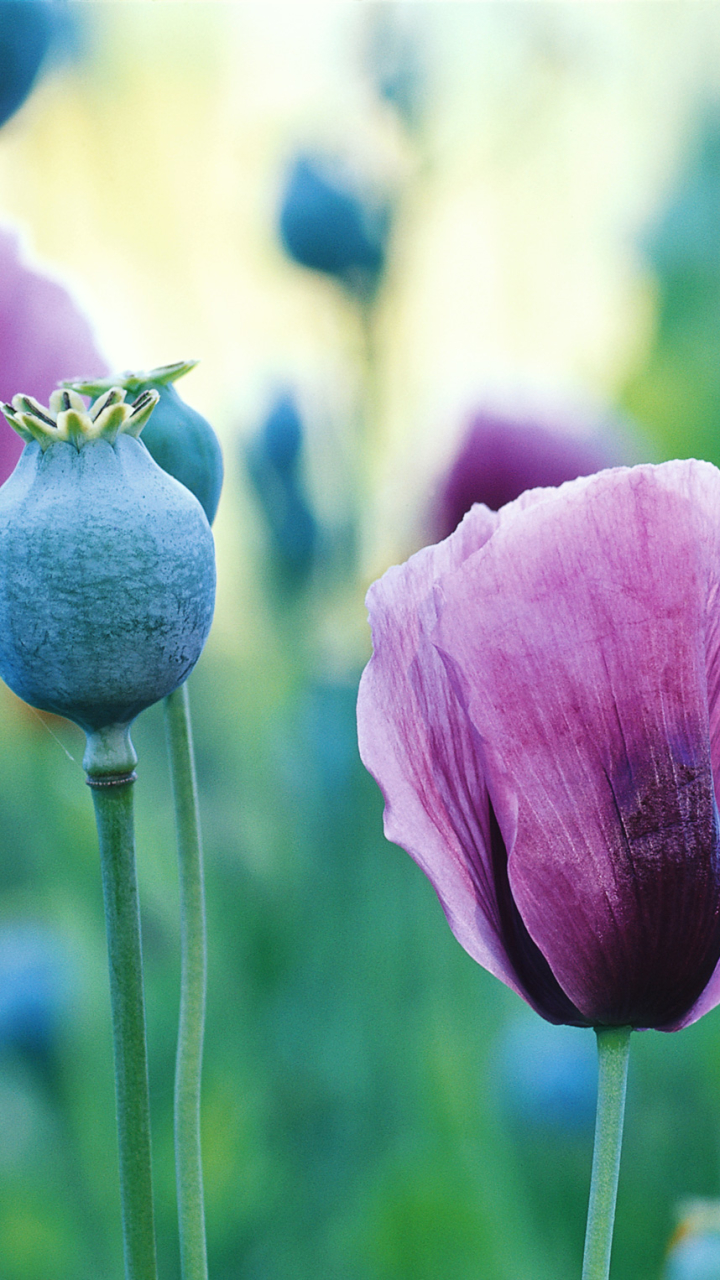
x=44, y=338
x=418, y=743
x=576, y=639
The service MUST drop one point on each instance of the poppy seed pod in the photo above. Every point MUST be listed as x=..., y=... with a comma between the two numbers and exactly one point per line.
x=180, y=440
x=107, y=573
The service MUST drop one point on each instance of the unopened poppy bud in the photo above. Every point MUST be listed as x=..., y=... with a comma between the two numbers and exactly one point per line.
x=27, y=28
x=107, y=573
x=274, y=463
x=695, y=1248
x=180, y=440
x=328, y=225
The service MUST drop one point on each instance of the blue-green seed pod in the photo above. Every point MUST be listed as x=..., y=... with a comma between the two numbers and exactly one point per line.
x=180, y=440
x=107, y=570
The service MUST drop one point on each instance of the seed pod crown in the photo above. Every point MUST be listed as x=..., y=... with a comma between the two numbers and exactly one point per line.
x=68, y=419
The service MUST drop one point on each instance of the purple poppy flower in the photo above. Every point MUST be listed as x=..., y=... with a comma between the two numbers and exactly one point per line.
x=542, y=713
x=44, y=338
x=500, y=458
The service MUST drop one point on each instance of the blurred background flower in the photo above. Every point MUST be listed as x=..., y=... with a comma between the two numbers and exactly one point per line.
x=499, y=459
x=27, y=29
x=44, y=336
x=274, y=463
x=35, y=981
x=695, y=1249
x=547, y=1077
x=327, y=223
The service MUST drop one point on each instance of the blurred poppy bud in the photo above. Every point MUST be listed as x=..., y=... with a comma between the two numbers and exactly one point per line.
x=500, y=458
x=43, y=335
x=180, y=440
x=107, y=574
x=393, y=58
x=273, y=459
x=326, y=223
x=695, y=1248
x=26, y=31
x=548, y=1076
x=33, y=988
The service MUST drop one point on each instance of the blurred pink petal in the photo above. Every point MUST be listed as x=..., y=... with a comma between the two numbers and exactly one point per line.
x=44, y=338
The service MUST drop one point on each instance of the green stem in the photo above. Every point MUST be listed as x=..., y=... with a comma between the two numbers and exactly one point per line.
x=109, y=760
x=188, y=1067
x=613, y=1051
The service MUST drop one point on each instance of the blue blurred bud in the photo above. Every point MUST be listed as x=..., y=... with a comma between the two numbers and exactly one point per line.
x=26, y=31
x=33, y=988
x=273, y=460
x=328, y=225
x=695, y=1250
x=684, y=241
x=282, y=435
x=696, y=1258
x=548, y=1075
x=394, y=62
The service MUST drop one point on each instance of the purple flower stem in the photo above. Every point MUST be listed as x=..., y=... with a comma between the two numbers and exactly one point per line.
x=193, y=963
x=613, y=1052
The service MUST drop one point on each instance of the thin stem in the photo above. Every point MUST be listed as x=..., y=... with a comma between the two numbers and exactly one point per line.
x=112, y=786
x=188, y=1066
x=613, y=1052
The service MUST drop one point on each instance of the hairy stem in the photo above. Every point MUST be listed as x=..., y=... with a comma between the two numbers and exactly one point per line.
x=613, y=1051
x=188, y=1067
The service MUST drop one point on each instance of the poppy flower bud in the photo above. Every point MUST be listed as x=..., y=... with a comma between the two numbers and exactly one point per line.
x=107, y=574
x=180, y=440
x=273, y=460
x=35, y=974
x=695, y=1249
x=328, y=225
x=395, y=62
x=547, y=1077
x=26, y=30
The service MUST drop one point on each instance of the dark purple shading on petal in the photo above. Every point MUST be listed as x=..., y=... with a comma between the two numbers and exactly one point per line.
x=500, y=458
x=44, y=338
x=576, y=639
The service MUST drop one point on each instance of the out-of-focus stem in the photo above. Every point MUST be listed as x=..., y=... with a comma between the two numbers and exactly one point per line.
x=188, y=1067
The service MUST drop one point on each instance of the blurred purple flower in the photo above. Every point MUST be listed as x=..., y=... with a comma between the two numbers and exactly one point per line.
x=500, y=458
x=44, y=337
x=542, y=712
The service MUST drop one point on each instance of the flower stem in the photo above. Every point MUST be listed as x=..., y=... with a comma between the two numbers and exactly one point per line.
x=613, y=1051
x=111, y=778
x=188, y=1066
